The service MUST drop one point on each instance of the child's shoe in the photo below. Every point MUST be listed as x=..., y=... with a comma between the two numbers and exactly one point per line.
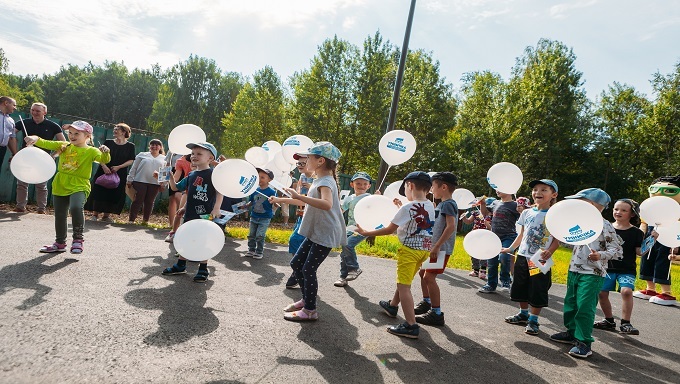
x=248, y=254
x=580, y=350
x=605, y=324
x=389, y=310
x=563, y=337
x=532, y=328
x=296, y=306
x=301, y=315
x=352, y=275
x=431, y=318
x=486, y=289
x=628, y=329
x=519, y=319
x=405, y=330
x=174, y=270
x=473, y=273
x=663, y=299
x=54, y=248
x=341, y=282
x=201, y=276
x=170, y=237
x=422, y=307
x=644, y=294
x=77, y=246
x=482, y=275
x=258, y=256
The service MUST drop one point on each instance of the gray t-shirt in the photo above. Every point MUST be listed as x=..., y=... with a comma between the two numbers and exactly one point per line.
x=323, y=227
x=444, y=209
x=505, y=216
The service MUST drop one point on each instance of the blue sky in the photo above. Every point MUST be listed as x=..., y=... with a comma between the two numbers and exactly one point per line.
x=623, y=40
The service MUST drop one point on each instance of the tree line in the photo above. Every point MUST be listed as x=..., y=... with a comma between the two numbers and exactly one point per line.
x=539, y=118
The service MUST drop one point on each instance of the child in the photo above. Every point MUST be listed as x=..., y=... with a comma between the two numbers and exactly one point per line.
x=322, y=226
x=202, y=199
x=71, y=184
x=503, y=222
x=296, y=239
x=413, y=223
x=429, y=311
x=349, y=265
x=585, y=278
x=530, y=286
x=179, y=215
x=522, y=204
x=626, y=216
x=480, y=221
x=655, y=266
x=261, y=214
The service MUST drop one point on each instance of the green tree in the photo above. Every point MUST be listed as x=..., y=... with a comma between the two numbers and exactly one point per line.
x=665, y=120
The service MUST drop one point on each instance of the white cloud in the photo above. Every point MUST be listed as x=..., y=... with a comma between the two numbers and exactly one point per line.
x=560, y=11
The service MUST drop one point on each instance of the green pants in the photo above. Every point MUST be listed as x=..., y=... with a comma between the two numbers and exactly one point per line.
x=580, y=304
x=62, y=206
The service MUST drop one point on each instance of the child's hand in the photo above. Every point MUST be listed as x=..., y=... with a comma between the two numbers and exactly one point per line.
x=30, y=140
x=216, y=212
x=673, y=257
x=360, y=230
x=104, y=149
x=545, y=255
x=434, y=252
x=397, y=202
x=655, y=234
x=181, y=211
x=594, y=255
x=221, y=158
x=293, y=193
x=506, y=250
x=377, y=192
x=273, y=200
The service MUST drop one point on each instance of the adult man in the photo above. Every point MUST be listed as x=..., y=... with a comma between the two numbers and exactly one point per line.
x=7, y=130
x=37, y=125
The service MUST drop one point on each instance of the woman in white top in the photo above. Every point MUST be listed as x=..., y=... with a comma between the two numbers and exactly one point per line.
x=143, y=180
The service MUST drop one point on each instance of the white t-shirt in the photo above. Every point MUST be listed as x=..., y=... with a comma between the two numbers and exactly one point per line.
x=415, y=221
x=536, y=234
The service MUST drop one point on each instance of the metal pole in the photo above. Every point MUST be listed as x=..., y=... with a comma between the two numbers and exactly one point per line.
x=606, y=173
x=397, y=85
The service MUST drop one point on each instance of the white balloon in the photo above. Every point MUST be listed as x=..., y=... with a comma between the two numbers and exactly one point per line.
x=392, y=192
x=271, y=146
x=198, y=240
x=574, y=222
x=669, y=234
x=375, y=211
x=257, y=156
x=284, y=178
x=182, y=135
x=281, y=163
x=464, y=198
x=482, y=244
x=293, y=145
x=235, y=178
x=32, y=165
x=659, y=210
x=505, y=177
x=397, y=147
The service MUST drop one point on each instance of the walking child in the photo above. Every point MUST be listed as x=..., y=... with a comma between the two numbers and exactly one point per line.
x=503, y=222
x=261, y=213
x=349, y=265
x=296, y=239
x=322, y=226
x=413, y=224
x=587, y=271
x=479, y=220
x=202, y=199
x=530, y=286
x=71, y=185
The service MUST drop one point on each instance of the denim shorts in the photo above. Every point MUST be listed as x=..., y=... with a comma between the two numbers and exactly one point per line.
x=624, y=280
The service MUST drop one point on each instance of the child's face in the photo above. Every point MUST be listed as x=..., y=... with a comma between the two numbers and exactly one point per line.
x=263, y=179
x=542, y=194
x=201, y=157
x=360, y=186
x=314, y=163
x=77, y=137
x=301, y=163
x=438, y=190
x=622, y=212
x=520, y=208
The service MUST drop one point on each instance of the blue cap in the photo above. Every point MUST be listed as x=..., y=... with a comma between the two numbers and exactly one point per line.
x=207, y=146
x=417, y=175
x=323, y=149
x=544, y=181
x=362, y=175
x=596, y=195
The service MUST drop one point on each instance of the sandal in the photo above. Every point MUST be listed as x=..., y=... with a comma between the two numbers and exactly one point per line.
x=201, y=276
x=302, y=315
x=54, y=248
x=174, y=270
x=296, y=306
x=77, y=246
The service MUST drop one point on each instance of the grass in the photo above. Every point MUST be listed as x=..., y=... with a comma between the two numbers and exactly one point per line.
x=386, y=247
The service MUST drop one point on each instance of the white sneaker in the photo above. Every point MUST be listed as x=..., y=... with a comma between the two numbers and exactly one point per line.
x=352, y=275
x=170, y=237
x=258, y=256
x=248, y=254
x=340, y=283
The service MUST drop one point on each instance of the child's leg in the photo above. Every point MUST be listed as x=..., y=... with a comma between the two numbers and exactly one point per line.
x=298, y=263
x=348, y=256
x=605, y=304
x=76, y=204
x=404, y=292
x=252, y=233
x=587, y=290
x=475, y=264
x=173, y=202
x=260, y=235
x=423, y=286
x=315, y=256
x=627, y=308
x=178, y=219
x=429, y=280
x=61, y=207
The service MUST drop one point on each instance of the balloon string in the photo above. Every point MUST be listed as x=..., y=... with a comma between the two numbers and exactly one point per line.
x=599, y=262
x=24, y=125
x=384, y=177
x=276, y=204
x=670, y=263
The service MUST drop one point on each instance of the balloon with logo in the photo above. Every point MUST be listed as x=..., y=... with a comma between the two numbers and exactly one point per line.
x=32, y=165
x=257, y=156
x=271, y=147
x=464, y=198
x=482, y=244
x=505, y=177
x=397, y=147
x=374, y=212
x=574, y=222
x=392, y=192
x=293, y=145
x=182, y=135
x=669, y=234
x=660, y=210
x=281, y=163
x=235, y=178
x=198, y=240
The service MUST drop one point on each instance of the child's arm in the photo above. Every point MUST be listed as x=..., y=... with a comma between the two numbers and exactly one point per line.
x=286, y=200
x=518, y=240
x=613, y=249
x=449, y=230
x=546, y=254
x=390, y=229
x=216, y=208
x=105, y=155
x=325, y=202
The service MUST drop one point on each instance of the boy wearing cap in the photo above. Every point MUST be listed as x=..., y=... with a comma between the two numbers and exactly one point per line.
x=202, y=199
x=587, y=270
x=349, y=265
x=530, y=286
x=413, y=224
x=261, y=213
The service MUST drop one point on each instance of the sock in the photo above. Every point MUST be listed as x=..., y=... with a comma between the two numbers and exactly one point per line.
x=203, y=266
x=427, y=300
x=437, y=310
x=625, y=321
x=181, y=264
x=609, y=319
x=533, y=318
x=524, y=312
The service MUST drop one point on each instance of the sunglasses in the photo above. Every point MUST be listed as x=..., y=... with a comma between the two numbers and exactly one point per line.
x=664, y=191
x=301, y=163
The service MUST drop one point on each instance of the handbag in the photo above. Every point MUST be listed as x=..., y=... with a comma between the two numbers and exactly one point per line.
x=109, y=181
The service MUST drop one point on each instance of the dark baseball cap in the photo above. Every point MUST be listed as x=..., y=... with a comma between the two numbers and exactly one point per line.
x=417, y=175
x=268, y=172
x=446, y=177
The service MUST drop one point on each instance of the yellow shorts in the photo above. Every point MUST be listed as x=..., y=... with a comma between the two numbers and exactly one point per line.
x=409, y=261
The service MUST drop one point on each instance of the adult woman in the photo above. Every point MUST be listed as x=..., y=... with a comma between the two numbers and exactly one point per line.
x=142, y=179
x=108, y=201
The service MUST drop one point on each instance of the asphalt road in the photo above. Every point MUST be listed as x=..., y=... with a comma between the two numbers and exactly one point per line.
x=109, y=316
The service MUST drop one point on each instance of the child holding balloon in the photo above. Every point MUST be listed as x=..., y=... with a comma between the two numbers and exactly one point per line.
x=504, y=217
x=323, y=226
x=202, y=199
x=301, y=186
x=261, y=213
x=71, y=185
x=586, y=276
x=479, y=220
x=530, y=286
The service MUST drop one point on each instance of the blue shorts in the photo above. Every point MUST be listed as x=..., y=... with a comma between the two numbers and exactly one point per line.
x=624, y=280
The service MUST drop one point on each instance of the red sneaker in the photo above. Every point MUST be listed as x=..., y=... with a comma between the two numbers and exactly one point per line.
x=663, y=299
x=644, y=294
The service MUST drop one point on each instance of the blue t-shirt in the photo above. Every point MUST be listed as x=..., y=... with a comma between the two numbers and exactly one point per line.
x=201, y=193
x=260, y=207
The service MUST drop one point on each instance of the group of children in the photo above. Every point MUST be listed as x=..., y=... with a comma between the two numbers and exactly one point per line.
x=425, y=231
